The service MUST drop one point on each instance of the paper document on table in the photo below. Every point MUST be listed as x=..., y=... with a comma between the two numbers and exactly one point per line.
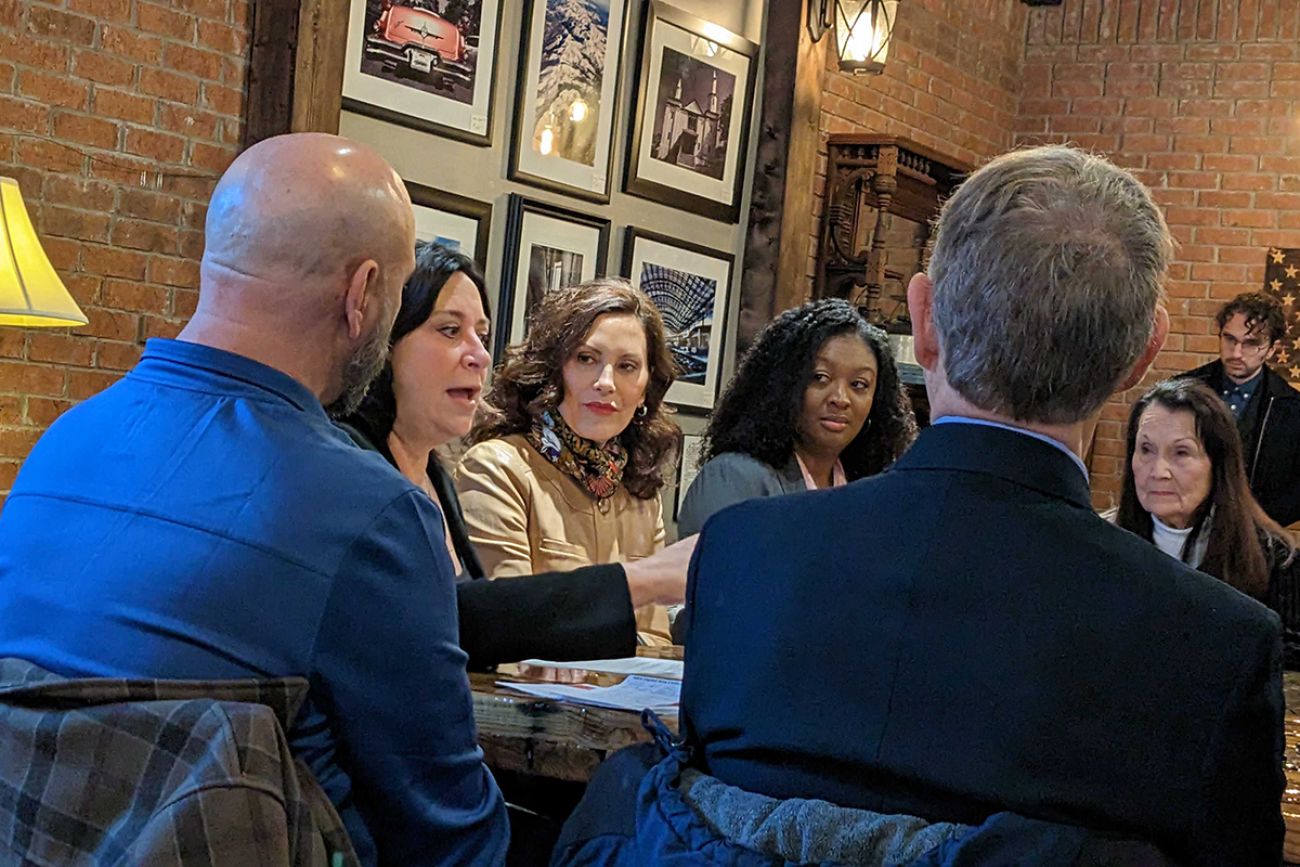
x=630, y=665
x=635, y=693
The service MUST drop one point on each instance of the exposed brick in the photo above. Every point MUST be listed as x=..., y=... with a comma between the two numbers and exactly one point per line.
x=72, y=223
x=187, y=121
x=125, y=106
x=156, y=326
x=11, y=409
x=111, y=10
x=111, y=262
x=52, y=155
x=156, y=145
x=43, y=411
x=146, y=205
x=127, y=43
x=78, y=193
x=39, y=53
x=103, y=68
x=168, y=85
x=223, y=100
x=137, y=235
x=24, y=116
x=88, y=383
x=135, y=297
x=223, y=37
x=53, y=89
x=117, y=356
x=86, y=130
x=60, y=348
x=195, y=61
x=54, y=24
x=32, y=379
x=174, y=272
x=160, y=19
x=111, y=324
x=211, y=157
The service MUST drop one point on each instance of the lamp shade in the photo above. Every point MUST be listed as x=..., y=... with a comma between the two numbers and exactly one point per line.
x=864, y=29
x=31, y=293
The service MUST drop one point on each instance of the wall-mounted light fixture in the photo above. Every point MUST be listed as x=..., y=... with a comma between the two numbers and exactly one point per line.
x=31, y=292
x=863, y=30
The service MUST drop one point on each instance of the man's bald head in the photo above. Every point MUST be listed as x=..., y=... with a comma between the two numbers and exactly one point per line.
x=307, y=206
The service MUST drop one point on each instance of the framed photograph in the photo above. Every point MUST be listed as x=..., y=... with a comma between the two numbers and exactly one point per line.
x=547, y=248
x=692, y=444
x=569, y=72
x=426, y=64
x=452, y=221
x=690, y=126
x=689, y=284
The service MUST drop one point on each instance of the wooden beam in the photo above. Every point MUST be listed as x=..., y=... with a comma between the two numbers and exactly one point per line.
x=318, y=73
x=269, y=104
x=782, y=225
x=295, y=68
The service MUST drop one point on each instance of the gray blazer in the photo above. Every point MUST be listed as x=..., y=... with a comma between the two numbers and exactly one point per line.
x=730, y=478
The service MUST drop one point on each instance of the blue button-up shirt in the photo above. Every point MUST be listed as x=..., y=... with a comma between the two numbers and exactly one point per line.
x=1238, y=394
x=203, y=519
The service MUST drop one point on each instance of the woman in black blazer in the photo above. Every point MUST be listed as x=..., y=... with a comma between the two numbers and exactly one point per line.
x=425, y=397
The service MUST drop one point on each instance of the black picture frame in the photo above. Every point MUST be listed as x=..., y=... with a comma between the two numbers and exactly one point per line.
x=676, y=253
x=639, y=175
x=610, y=109
x=459, y=206
x=513, y=308
x=410, y=109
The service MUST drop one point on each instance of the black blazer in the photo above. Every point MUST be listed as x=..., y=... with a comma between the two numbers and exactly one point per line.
x=963, y=635
x=1270, y=441
x=583, y=614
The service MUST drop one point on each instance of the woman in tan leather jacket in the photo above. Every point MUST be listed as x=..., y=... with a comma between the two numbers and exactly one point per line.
x=567, y=465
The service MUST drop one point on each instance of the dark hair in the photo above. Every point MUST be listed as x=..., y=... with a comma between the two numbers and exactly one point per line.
x=1261, y=311
x=530, y=380
x=758, y=413
x=434, y=266
x=1235, y=549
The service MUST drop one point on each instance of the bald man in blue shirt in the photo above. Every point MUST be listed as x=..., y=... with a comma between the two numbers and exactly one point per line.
x=203, y=519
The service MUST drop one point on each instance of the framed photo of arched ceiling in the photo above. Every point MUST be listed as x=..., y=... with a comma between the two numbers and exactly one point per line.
x=688, y=283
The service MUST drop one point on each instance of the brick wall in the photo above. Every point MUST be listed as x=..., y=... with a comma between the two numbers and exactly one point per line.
x=116, y=117
x=1202, y=101
x=952, y=83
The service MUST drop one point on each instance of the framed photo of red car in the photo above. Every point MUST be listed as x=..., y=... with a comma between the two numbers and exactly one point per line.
x=547, y=248
x=690, y=125
x=568, y=95
x=425, y=64
x=689, y=284
x=450, y=220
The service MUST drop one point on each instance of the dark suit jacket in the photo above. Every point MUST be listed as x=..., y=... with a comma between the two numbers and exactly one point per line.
x=583, y=614
x=1270, y=440
x=963, y=635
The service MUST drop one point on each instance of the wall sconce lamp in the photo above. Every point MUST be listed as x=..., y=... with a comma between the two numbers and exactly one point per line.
x=31, y=293
x=863, y=30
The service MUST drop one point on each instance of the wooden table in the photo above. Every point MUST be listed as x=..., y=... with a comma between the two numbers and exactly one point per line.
x=553, y=739
x=566, y=742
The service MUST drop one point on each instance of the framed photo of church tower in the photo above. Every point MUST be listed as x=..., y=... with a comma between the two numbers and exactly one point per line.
x=690, y=126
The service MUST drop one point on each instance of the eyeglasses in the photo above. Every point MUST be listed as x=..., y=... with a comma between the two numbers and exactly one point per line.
x=1254, y=345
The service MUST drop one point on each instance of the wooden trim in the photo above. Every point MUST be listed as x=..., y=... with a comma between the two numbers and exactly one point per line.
x=269, y=104
x=318, y=66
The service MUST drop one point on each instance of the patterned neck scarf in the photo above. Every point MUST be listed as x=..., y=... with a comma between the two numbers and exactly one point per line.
x=599, y=471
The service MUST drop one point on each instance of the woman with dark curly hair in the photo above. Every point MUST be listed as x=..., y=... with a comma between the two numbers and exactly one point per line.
x=815, y=402
x=567, y=463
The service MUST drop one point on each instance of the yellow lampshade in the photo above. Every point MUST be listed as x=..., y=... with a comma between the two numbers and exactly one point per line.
x=31, y=293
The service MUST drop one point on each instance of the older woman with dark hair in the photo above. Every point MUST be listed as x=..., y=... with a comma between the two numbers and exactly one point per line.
x=427, y=396
x=815, y=402
x=568, y=462
x=1185, y=491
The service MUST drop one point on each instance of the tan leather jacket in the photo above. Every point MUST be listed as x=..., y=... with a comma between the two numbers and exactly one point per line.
x=525, y=516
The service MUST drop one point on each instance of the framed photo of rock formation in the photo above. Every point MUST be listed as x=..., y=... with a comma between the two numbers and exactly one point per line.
x=568, y=95
x=690, y=126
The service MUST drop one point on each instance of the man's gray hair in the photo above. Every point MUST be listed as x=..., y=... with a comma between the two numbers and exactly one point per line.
x=1047, y=267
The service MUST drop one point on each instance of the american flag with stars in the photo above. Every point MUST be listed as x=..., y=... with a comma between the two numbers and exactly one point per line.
x=1282, y=281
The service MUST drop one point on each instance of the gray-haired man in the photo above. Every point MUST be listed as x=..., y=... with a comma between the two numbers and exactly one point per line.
x=963, y=636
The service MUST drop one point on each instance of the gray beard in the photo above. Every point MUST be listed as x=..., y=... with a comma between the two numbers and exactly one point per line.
x=361, y=370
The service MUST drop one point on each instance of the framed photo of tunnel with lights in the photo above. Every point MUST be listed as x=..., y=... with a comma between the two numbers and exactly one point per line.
x=690, y=125
x=568, y=95
x=689, y=284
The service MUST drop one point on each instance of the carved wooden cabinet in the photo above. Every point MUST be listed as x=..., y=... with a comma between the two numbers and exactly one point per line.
x=881, y=198
x=882, y=195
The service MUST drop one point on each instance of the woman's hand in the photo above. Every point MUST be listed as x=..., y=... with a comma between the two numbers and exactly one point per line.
x=661, y=577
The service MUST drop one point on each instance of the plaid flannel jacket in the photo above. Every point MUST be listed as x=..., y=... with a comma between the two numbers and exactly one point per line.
x=124, y=772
